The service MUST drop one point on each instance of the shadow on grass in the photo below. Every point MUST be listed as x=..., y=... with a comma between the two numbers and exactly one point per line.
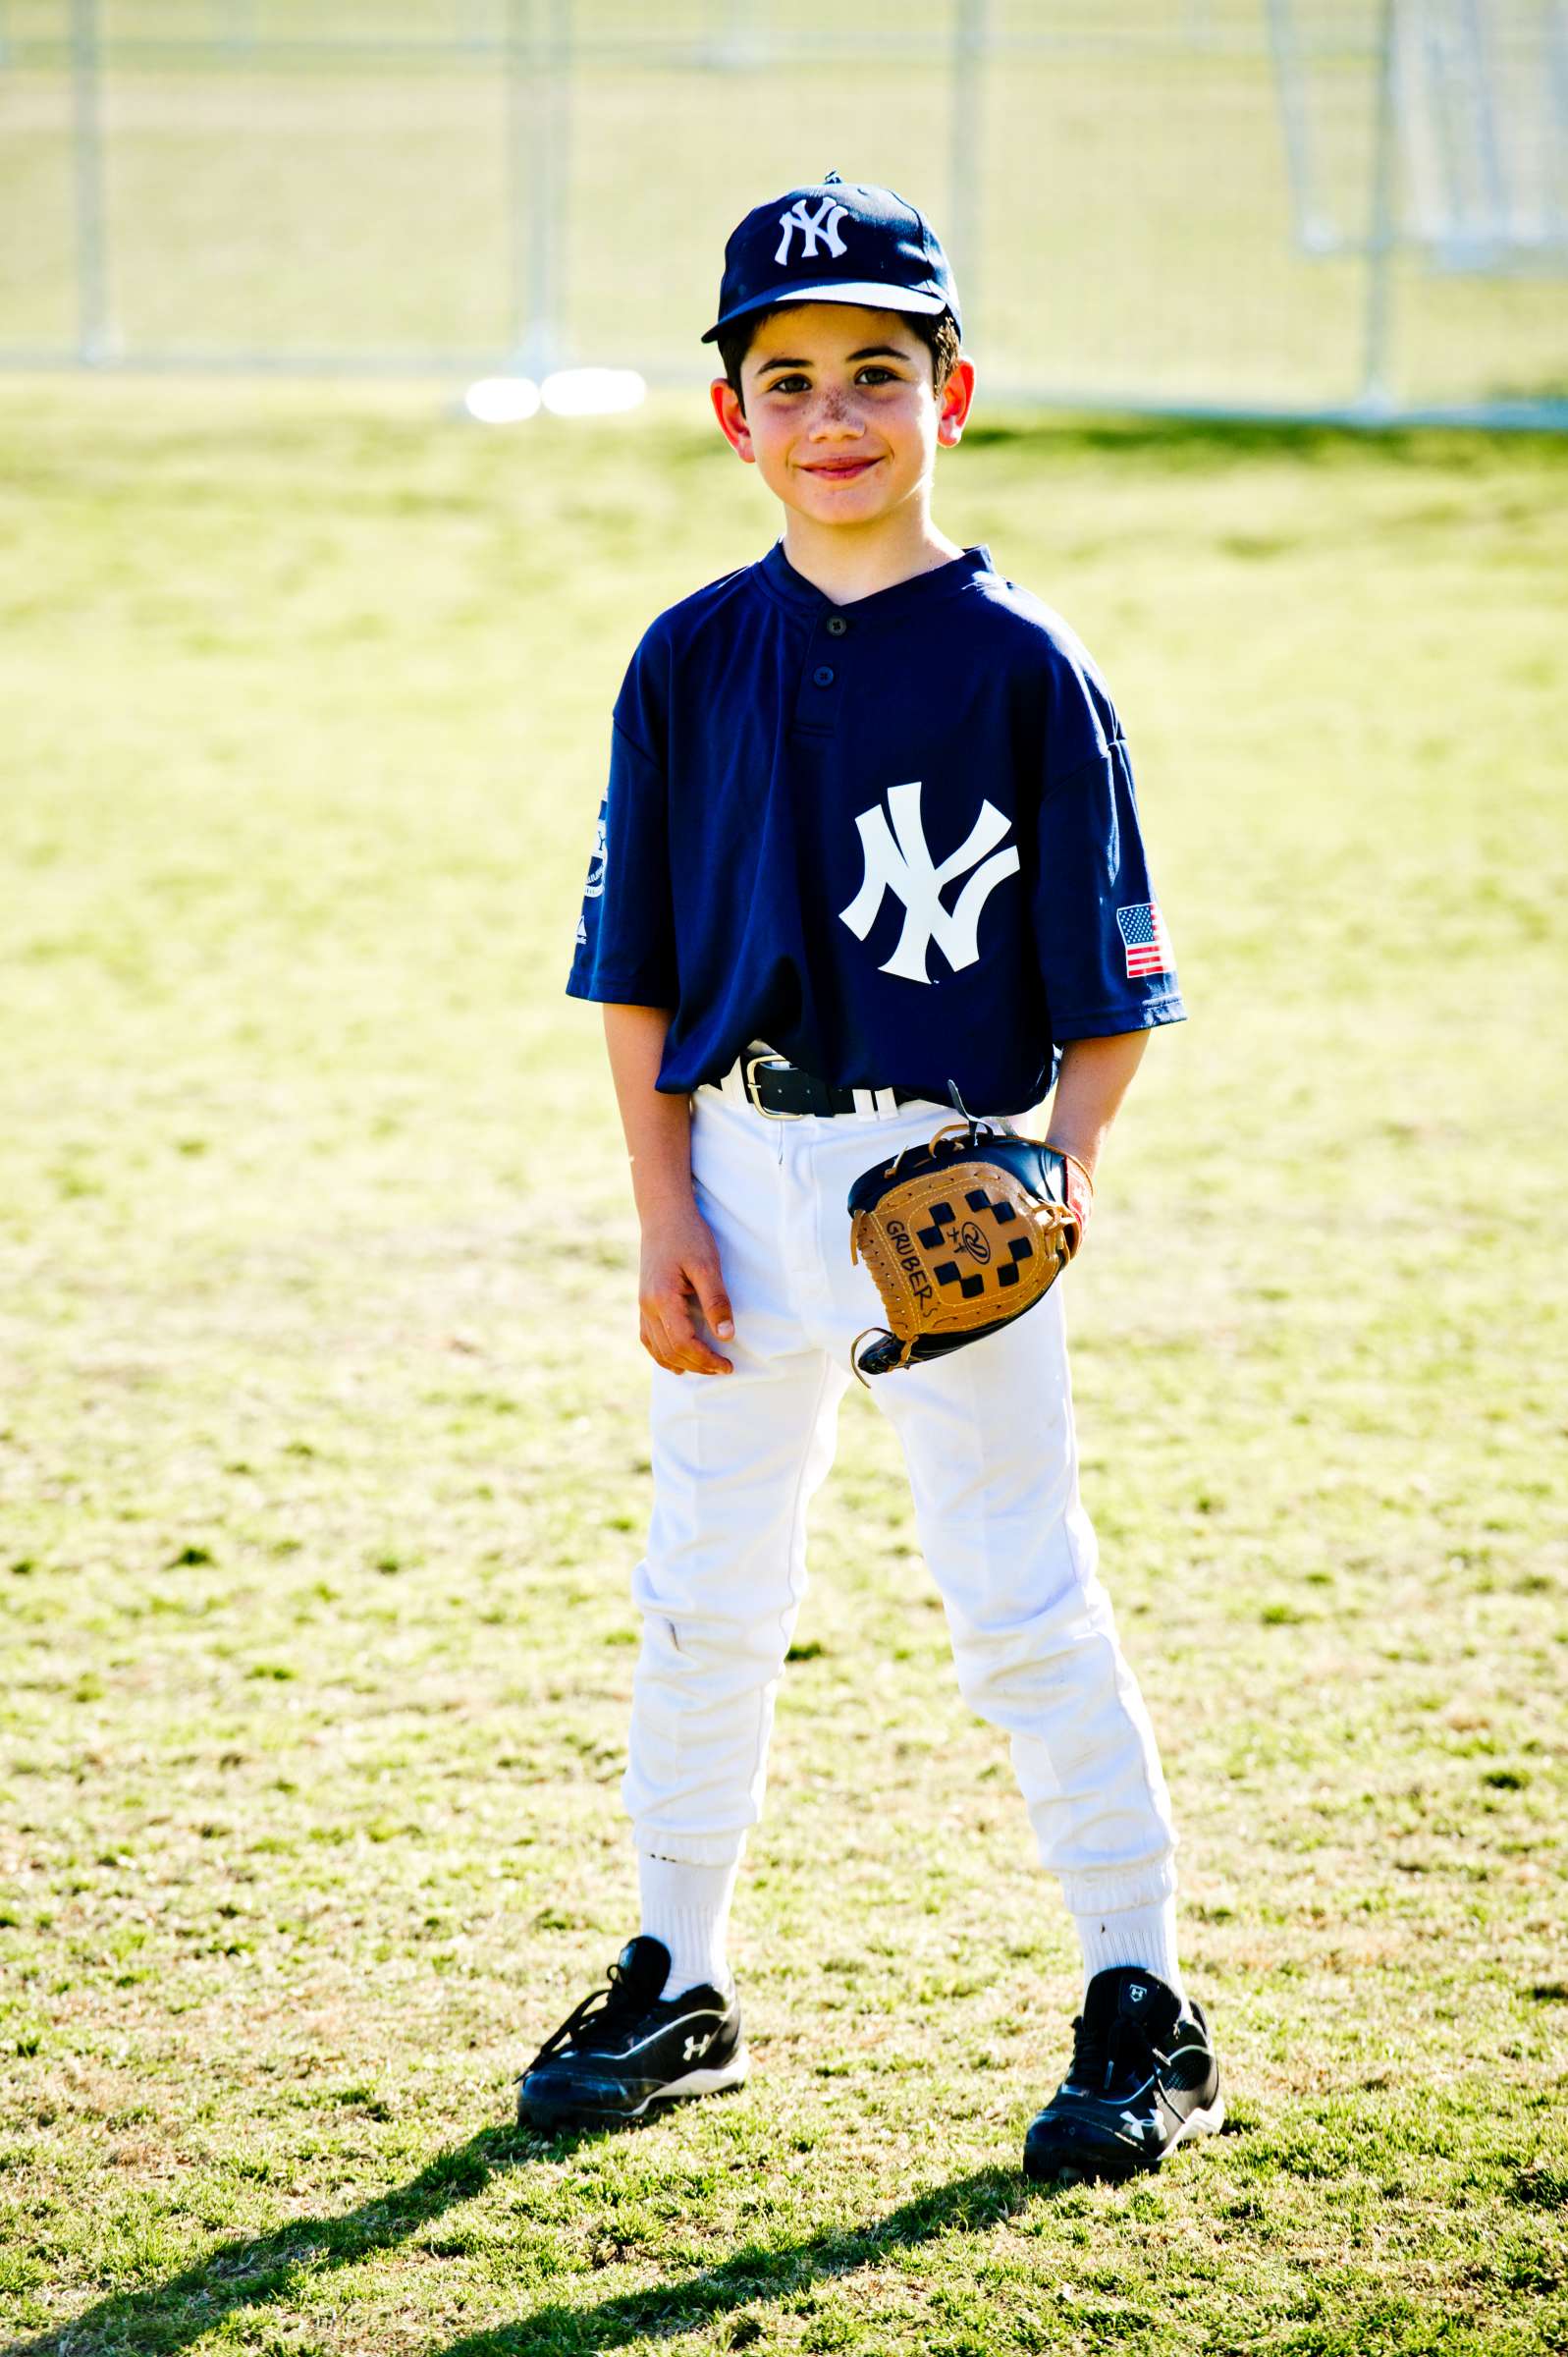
x=252, y=2272
x=257, y=2268
x=758, y=2273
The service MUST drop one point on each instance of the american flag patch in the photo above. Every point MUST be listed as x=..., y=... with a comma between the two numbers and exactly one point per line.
x=1145, y=939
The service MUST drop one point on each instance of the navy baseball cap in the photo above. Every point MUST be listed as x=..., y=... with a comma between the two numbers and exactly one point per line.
x=836, y=241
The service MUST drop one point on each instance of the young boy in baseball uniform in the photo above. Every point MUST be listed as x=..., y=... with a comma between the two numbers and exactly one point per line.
x=869, y=847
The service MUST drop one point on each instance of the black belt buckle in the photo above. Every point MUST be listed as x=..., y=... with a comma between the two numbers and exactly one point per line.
x=814, y=1098
x=748, y=1081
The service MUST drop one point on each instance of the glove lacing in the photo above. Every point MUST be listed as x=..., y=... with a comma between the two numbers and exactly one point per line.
x=882, y=1334
x=969, y=1128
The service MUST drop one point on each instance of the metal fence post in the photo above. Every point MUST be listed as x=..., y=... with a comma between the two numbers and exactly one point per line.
x=1315, y=230
x=1481, y=83
x=239, y=24
x=1377, y=392
x=474, y=24
x=971, y=37
x=736, y=38
x=559, y=93
x=1555, y=194
x=515, y=131
x=538, y=52
x=94, y=333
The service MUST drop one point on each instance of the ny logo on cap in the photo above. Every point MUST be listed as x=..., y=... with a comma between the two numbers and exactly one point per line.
x=822, y=225
x=899, y=860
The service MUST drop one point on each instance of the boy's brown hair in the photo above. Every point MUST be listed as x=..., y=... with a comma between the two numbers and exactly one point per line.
x=936, y=331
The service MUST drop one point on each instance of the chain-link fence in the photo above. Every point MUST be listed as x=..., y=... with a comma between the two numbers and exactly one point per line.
x=1175, y=204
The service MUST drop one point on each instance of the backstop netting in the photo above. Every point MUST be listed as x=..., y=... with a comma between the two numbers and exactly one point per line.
x=1237, y=203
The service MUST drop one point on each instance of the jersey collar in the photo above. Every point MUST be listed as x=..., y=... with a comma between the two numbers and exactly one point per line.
x=801, y=596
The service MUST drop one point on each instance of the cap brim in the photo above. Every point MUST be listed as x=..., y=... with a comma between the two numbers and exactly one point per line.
x=873, y=293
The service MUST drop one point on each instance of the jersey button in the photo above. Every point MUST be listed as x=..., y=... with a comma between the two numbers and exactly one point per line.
x=822, y=677
x=836, y=625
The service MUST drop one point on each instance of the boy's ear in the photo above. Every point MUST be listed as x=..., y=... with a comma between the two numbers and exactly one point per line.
x=953, y=403
x=731, y=419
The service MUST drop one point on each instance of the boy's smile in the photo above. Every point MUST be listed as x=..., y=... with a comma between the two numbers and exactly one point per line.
x=840, y=418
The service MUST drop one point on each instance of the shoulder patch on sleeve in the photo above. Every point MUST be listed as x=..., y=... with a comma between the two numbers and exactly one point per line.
x=595, y=883
x=1144, y=939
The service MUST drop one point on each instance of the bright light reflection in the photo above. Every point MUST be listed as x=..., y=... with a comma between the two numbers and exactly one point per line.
x=502, y=400
x=593, y=392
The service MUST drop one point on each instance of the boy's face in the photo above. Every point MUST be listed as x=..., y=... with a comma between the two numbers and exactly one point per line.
x=840, y=418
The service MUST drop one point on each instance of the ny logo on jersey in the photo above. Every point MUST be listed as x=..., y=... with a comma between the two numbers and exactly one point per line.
x=899, y=860
x=822, y=225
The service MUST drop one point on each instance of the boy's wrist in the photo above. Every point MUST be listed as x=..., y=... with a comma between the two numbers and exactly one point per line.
x=659, y=1190
x=1084, y=1151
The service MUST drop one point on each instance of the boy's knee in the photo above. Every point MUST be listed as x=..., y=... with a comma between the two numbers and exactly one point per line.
x=741, y=1653
x=1025, y=1660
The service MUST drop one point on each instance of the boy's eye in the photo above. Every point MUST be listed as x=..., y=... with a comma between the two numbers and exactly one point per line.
x=874, y=374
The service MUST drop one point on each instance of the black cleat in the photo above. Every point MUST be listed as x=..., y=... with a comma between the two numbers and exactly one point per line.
x=1142, y=2079
x=627, y=2047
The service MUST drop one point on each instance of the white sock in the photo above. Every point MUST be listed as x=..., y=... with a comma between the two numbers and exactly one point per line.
x=687, y=1908
x=1144, y=1935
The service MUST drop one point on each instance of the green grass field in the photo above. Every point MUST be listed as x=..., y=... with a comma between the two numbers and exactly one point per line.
x=322, y=1460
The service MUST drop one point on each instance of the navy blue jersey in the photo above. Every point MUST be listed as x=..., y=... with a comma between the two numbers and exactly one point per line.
x=897, y=839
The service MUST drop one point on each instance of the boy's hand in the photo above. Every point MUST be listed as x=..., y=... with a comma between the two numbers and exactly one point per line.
x=679, y=1280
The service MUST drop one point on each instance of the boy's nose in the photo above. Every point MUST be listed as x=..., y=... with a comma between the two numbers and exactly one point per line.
x=836, y=416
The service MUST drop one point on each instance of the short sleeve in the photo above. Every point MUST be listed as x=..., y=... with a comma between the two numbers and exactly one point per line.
x=1105, y=953
x=626, y=933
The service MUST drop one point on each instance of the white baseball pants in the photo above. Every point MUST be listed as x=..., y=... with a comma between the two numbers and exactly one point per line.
x=987, y=1435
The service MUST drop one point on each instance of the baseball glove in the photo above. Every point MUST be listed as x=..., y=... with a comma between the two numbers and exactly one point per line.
x=962, y=1235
